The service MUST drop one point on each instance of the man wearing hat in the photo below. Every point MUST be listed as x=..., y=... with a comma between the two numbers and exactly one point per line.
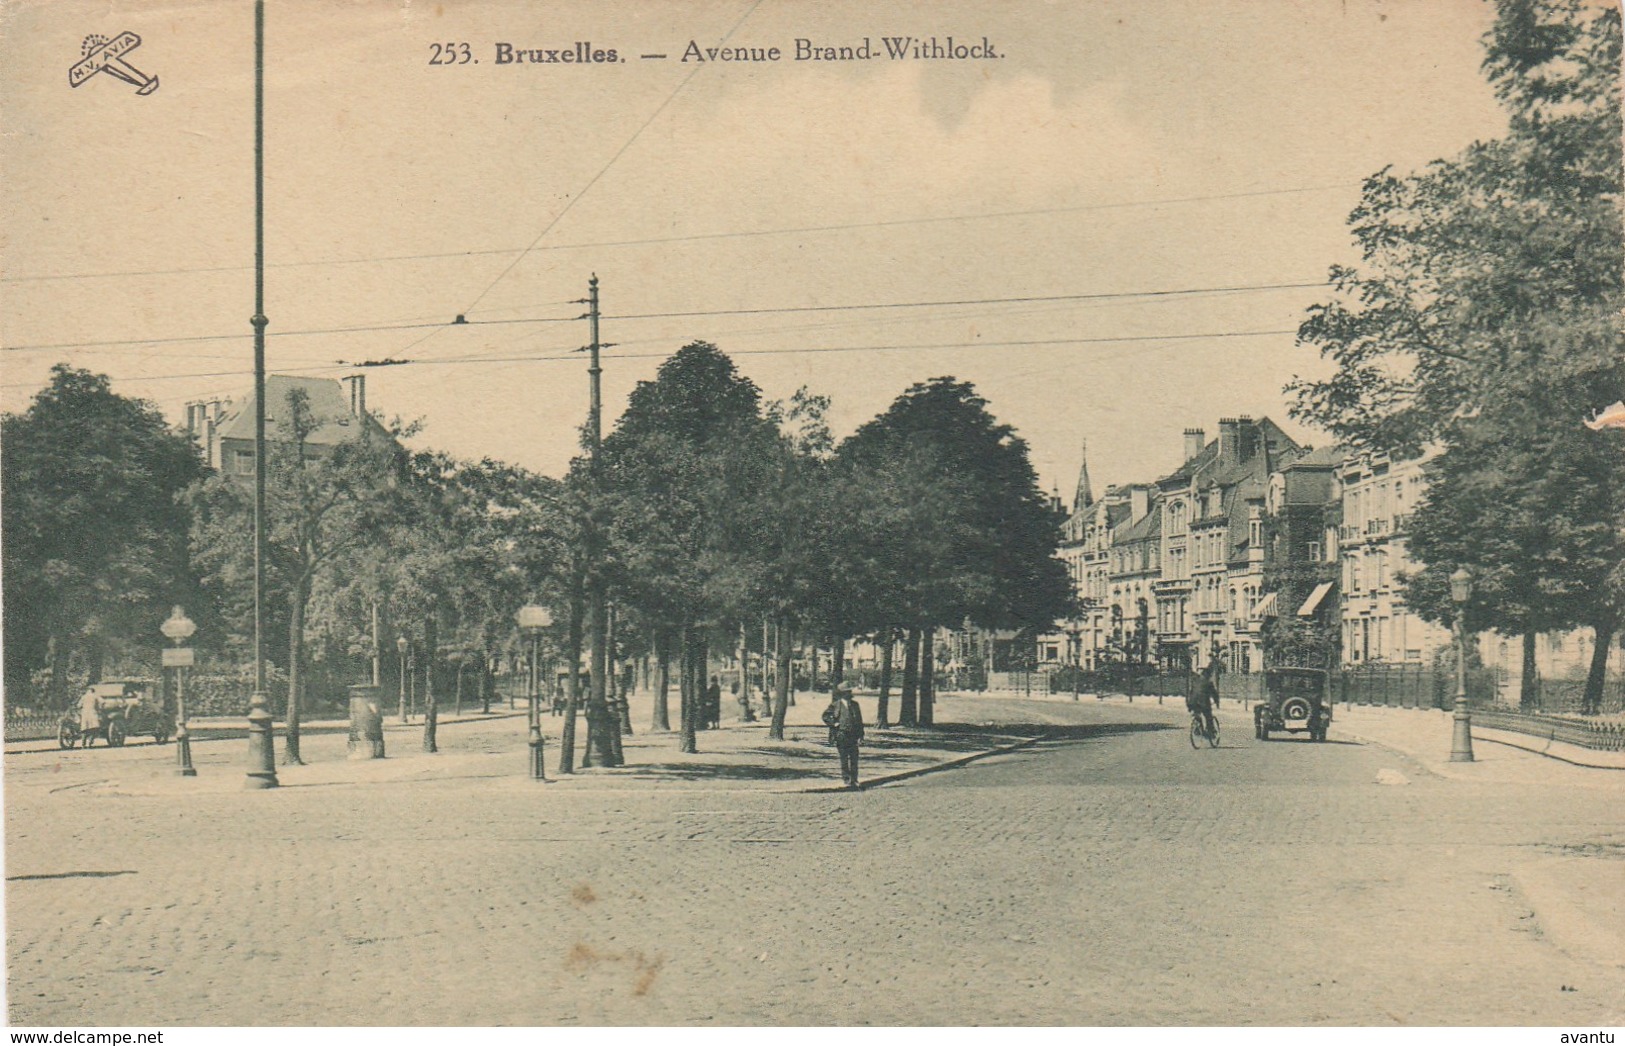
x=845, y=723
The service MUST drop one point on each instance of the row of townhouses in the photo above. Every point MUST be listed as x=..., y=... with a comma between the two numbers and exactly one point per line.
x=1254, y=530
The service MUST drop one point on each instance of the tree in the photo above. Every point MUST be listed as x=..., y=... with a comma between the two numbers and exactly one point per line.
x=955, y=527
x=518, y=539
x=322, y=509
x=94, y=538
x=1483, y=323
x=680, y=478
x=1536, y=521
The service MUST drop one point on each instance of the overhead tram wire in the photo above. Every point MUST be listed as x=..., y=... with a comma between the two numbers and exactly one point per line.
x=574, y=353
x=1025, y=313
x=304, y=333
x=691, y=237
x=788, y=309
x=576, y=198
x=585, y=189
x=1034, y=299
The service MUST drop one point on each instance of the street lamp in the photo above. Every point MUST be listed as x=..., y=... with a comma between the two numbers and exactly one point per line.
x=531, y=620
x=401, y=645
x=178, y=628
x=1461, y=738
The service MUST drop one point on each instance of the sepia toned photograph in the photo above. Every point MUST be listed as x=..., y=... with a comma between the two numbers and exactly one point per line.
x=786, y=514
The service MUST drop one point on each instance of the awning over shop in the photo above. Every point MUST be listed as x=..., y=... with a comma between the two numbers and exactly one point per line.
x=1265, y=607
x=1312, y=604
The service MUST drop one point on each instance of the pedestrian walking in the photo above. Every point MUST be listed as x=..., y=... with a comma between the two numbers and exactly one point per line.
x=832, y=711
x=90, y=715
x=846, y=728
x=713, y=704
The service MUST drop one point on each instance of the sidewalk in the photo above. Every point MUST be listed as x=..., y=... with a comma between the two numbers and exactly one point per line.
x=492, y=751
x=1424, y=736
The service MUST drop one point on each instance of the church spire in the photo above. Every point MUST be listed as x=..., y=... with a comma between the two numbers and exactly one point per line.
x=1083, y=497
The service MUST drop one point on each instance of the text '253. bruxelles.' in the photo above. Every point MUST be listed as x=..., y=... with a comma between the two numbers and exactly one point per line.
x=581, y=52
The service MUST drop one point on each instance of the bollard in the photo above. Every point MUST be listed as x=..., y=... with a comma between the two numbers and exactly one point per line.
x=366, y=723
x=183, y=736
x=538, y=771
x=261, y=757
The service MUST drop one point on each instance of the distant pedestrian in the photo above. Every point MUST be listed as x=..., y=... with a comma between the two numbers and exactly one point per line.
x=846, y=728
x=90, y=716
x=713, y=704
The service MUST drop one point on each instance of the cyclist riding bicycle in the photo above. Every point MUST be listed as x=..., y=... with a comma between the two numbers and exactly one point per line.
x=1205, y=698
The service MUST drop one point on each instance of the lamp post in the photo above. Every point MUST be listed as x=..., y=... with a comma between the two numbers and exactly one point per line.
x=178, y=628
x=1461, y=737
x=531, y=620
x=400, y=648
x=261, y=758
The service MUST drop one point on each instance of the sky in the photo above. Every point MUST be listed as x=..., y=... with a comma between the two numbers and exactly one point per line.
x=1112, y=228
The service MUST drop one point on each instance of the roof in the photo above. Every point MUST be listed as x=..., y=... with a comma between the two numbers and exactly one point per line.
x=1193, y=465
x=328, y=404
x=1147, y=526
x=1320, y=457
x=1240, y=528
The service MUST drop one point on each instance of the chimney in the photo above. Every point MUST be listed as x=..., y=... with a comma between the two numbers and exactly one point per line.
x=1140, y=500
x=1229, y=440
x=1195, y=440
x=358, y=394
x=211, y=442
x=1251, y=436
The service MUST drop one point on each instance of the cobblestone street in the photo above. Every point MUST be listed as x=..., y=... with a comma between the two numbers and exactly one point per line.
x=1108, y=874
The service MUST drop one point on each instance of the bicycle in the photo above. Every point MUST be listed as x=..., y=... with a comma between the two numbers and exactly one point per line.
x=1199, y=730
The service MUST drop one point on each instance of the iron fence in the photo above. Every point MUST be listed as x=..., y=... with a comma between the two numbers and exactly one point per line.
x=30, y=725
x=1597, y=736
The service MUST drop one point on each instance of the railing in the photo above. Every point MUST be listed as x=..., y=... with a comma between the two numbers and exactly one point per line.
x=1601, y=737
x=31, y=726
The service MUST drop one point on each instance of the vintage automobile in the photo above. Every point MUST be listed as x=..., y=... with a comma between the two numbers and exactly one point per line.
x=1296, y=700
x=124, y=707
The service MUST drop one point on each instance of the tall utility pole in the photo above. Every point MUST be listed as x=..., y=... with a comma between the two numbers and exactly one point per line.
x=601, y=745
x=261, y=761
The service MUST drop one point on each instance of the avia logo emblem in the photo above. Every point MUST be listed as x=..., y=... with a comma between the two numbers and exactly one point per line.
x=102, y=55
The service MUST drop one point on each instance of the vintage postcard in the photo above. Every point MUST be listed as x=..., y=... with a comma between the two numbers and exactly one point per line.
x=775, y=513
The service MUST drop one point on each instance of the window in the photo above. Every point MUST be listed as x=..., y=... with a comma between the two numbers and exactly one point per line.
x=1314, y=552
x=242, y=462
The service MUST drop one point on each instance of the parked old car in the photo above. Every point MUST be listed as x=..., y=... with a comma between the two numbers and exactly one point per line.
x=1296, y=700
x=124, y=707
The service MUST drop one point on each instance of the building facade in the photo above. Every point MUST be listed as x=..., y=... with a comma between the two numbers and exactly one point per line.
x=1377, y=495
x=224, y=428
